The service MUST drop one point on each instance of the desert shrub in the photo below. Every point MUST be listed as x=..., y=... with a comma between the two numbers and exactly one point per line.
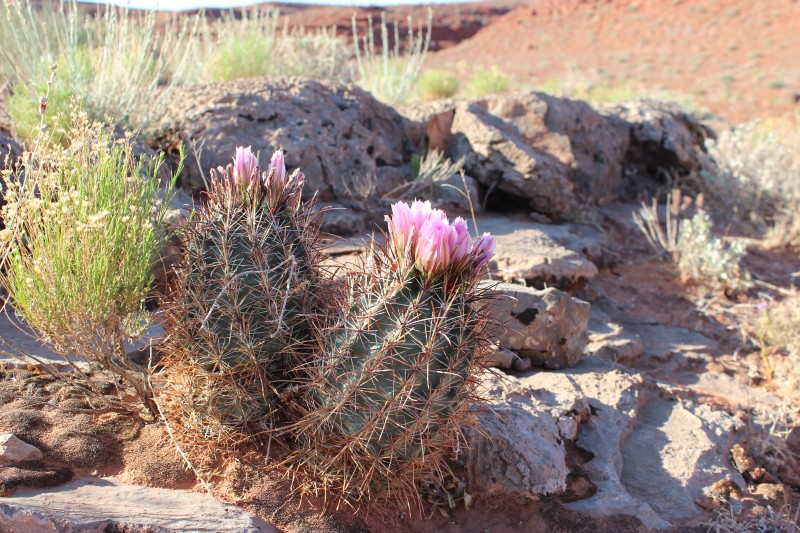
x=115, y=63
x=437, y=84
x=690, y=243
x=427, y=170
x=487, y=81
x=84, y=227
x=387, y=72
x=753, y=178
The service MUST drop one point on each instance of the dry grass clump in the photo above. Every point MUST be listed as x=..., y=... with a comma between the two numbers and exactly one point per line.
x=388, y=72
x=753, y=178
x=486, y=81
x=779, y=336
x=690, y=243
x=118, y=63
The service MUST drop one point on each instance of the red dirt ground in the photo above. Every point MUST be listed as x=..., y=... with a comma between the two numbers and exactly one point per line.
x=739, y=58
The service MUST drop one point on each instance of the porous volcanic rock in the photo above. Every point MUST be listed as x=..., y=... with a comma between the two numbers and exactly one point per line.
x=336, y=134
x=553, y=154
x=603, y=439
x=548, y=327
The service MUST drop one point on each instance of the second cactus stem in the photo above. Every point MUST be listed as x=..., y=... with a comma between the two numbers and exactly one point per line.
x=397, y=374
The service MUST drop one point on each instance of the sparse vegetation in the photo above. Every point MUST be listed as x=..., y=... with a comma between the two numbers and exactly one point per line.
x=116, y=64
x=84, y=228
x=437, y=84
x=427, y=170
x=690, y=243
x=487, y=81
x=753, y=178
x=390, y=73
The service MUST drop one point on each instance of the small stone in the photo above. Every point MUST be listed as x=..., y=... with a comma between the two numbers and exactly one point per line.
x=774, y=492
x=547, y=327
x=568, y=428
x=741, y=459
x=501, y=358
x=13, y=450
x=522, y=364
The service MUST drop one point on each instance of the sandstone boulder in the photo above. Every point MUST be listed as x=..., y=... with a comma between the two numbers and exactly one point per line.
x=548, y=327
x=336, y=134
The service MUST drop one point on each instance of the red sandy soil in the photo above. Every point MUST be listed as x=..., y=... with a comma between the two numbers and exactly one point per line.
x=738, y=58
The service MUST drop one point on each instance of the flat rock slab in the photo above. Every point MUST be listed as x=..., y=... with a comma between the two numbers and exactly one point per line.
x=649, y=450
x=543, y=254
x=106, y=504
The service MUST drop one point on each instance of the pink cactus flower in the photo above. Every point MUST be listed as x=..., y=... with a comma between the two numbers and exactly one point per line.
x=401, y=227
x=278, y=163
x=433, y=250
x=245, y=166
x=482, y=252
x=460, y=246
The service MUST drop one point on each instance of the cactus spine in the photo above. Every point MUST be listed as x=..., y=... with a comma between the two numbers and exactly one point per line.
x=237, y=318
x=393, y=385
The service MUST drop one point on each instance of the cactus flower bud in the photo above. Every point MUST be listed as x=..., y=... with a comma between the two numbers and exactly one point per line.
x=245, y=166
x=279, y=165
x=482, y=252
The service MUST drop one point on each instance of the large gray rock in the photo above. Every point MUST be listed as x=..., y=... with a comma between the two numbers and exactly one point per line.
x=589, y=146
x=10, y=149
x=553, y=154
x=335, y=134
x=548, y=327
x=106, y=504
x=496, y=155
x=542, y=254
x=638, y=447
x=13, y=450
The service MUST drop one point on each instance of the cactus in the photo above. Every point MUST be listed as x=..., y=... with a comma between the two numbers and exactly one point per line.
x=237, y=318
x=398, y=372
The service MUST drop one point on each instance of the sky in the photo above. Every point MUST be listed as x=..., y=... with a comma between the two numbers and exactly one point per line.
x=177, y=5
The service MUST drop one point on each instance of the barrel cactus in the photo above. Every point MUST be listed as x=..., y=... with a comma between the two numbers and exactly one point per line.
x=238, y=319
x=397, y=374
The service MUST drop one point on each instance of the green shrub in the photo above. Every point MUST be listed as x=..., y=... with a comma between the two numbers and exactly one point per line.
x=244, y=48
x=83, y=230
x=487, y=81
x=437, y=84
x=116, y=63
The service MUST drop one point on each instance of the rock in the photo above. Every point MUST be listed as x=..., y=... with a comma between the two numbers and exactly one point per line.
x=522, y=364
x=541, y=254
x=10, y=149
x=497, y=157
x=670, y=347
x=610, y=340
x=548, y=327
x=554, y=154
x=501, y=358
x=338, y=220
x=105, y=504
x=590, y=147
x=334, y=133
x=662, y=136
x=515, y=454
x=643, y=448
x=14, y=450
x=451, y=195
